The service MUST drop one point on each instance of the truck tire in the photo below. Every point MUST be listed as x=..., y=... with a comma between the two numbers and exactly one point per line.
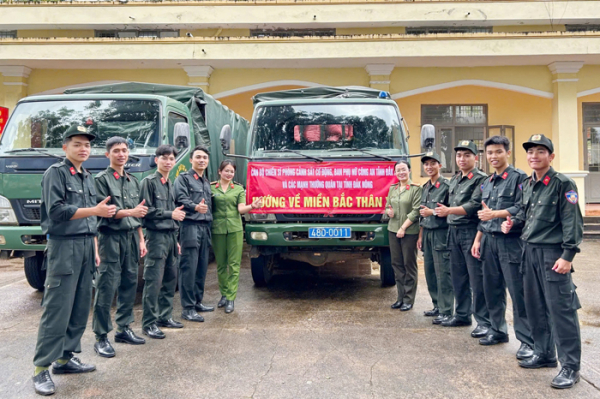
x=386, y=272
x=262, y=269
x=33, y=271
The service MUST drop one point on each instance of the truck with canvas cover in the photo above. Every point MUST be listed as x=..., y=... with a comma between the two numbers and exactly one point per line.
x=146, y=115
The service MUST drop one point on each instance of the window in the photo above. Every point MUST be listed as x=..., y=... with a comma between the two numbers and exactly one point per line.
x=424, y=30
x=454, y=123
x=591, y=135
x=122, y=34
x=8, y=34
x=582, y=28
x=291, y=32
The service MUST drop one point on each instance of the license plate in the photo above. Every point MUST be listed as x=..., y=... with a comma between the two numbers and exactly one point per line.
x=329, y=232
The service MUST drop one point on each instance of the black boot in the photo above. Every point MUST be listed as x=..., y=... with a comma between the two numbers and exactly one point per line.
x=222, y=302
x=229, y=307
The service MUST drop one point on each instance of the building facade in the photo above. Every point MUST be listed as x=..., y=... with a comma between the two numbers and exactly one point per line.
x=471, y=68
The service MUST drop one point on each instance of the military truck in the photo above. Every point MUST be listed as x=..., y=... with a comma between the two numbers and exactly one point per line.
x=146, y=115
x=323, y=160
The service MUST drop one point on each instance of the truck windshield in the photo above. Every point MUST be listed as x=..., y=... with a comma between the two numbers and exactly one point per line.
x=327, y=126
x=42, y=124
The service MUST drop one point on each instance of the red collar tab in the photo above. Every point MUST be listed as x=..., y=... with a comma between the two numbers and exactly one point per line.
x=407, y=187
x=231, y=185
x=163, y=180
x=505, y=175
x=470, y=175
x=73, y=171
x=196, y=176
x=546, y=180
x=217, y=185
x=116, y=175
x=437, y=184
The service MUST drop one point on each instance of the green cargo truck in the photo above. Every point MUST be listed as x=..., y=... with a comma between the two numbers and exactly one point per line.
x=146, y=115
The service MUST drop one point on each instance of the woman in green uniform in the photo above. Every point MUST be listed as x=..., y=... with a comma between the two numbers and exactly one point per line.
x=229, y=203
x=402, y=207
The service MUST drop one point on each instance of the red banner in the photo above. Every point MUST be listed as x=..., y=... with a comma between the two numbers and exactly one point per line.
x=326, y=187
x=3, y=118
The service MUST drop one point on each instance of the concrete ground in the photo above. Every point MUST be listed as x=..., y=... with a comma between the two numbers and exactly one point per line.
x=306, y=336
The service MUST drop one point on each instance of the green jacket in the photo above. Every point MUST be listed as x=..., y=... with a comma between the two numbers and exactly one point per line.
x=124, y=192
x=432, y=195
x=551, y=213
x=465, y=191
x=405, y=201
x=226, y=217
x=64, y=190
x=160, y=200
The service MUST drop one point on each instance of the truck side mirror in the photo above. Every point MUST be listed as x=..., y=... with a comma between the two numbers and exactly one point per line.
x=225, y=138
x=428, y=137
x=181, y=135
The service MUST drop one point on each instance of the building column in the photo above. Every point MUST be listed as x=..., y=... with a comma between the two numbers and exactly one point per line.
x=565, y=128
x=379, y=75
x=199, y=76
x=14, y=84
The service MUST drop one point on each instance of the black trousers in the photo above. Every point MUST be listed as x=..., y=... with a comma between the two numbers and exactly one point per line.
x=195, y=243
x=551, y=303
x=501, y=255
x=467, y=276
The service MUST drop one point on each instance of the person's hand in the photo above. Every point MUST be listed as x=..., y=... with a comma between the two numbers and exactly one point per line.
x=420, y=243
x=390, y=211
x=562, y=266
x=178, y=214
x=201, y=207
x=475, y=249
x=105, y=211
x=506, y=226
x=143, y=249
x=178, y=249
x=98, y=260
x=442, y=210
x=485, y=213
x=257, y=203
x=139, y=211
x=400, y=233
x=425, y=211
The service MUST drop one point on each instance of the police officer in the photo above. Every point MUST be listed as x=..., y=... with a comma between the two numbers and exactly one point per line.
x=121, y=244
x=68, y=217
x=432, y=240
x=501, y=253
x=465, y=201
x=162, y=225
x=552, y=232
x=192, y=190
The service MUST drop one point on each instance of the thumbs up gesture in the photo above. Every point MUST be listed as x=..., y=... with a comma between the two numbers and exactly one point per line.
x=139, y=211
x=485, y=213
x=105, y=211
x=390, y=211
x=201, y=207
x=426, y=212
x=506, y=226
x=178, y=214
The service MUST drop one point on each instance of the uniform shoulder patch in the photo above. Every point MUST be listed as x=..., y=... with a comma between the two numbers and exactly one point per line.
x=572, y=197
x=213, y=183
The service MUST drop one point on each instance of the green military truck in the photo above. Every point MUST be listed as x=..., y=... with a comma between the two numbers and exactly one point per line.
x=322, y=159
x=146, y=115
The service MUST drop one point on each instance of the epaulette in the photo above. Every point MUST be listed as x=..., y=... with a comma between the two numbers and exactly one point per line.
x=564, y=178
x=395, y=184
x=239, y=184
x=519, y=171
x=481, y=173
x=415, y=184
x=131, y=176
x=101, y=173
x=213, y=182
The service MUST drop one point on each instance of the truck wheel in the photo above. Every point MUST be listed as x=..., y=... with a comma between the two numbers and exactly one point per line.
x=386, y=272
x=33, y=271
x=262, y=269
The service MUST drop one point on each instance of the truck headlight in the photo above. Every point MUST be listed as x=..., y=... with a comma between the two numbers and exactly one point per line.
x=259, y=235
x=260, y=217
x=7, y=215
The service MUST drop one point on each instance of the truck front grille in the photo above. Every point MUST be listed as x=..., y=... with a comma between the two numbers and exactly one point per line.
x=337, y=218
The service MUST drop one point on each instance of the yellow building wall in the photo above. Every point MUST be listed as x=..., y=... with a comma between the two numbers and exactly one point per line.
x=529, y=28
x=370, y=31
x=41, y=33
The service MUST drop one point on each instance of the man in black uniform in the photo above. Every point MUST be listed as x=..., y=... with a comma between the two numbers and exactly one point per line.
x=465, y=201
x=162, y=225
x=552, y=232
x=501, y=253
x=192, y=190
x=121, y=244
x=68, y=217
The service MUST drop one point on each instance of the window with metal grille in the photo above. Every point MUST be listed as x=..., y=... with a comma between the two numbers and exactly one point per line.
x=591, y=135
x=8, y=34
x=424, y=30
x=582, y=28
x=291, y=32
x=134, y=33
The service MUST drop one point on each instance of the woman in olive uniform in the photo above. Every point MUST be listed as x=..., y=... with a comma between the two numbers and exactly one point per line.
x=402, y=207
x=229, y=203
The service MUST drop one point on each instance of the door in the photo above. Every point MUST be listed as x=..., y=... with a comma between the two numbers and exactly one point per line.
x=591, y=140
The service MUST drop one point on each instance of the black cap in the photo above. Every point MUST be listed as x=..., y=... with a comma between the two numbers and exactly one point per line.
x=78, y=130
x=467, y=145
x=431, y=155
x=539, y=139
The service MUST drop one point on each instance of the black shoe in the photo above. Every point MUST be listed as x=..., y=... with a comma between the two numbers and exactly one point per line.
x=153, y=331
x=127, y=336
x=524, y=352
x=440, y=319
x=565, y=379
x=406, y=306
x=397, y=305
x=169, y=323
x=43, y=384
x=73, y=366
x=492, y=339
x=455, y=322
x=222, y=302
x=537, y=362
x=191, y=315
x=229, y=307
x=432, y=313
x=203, y=308
x=104, y=348
x=479, y=332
